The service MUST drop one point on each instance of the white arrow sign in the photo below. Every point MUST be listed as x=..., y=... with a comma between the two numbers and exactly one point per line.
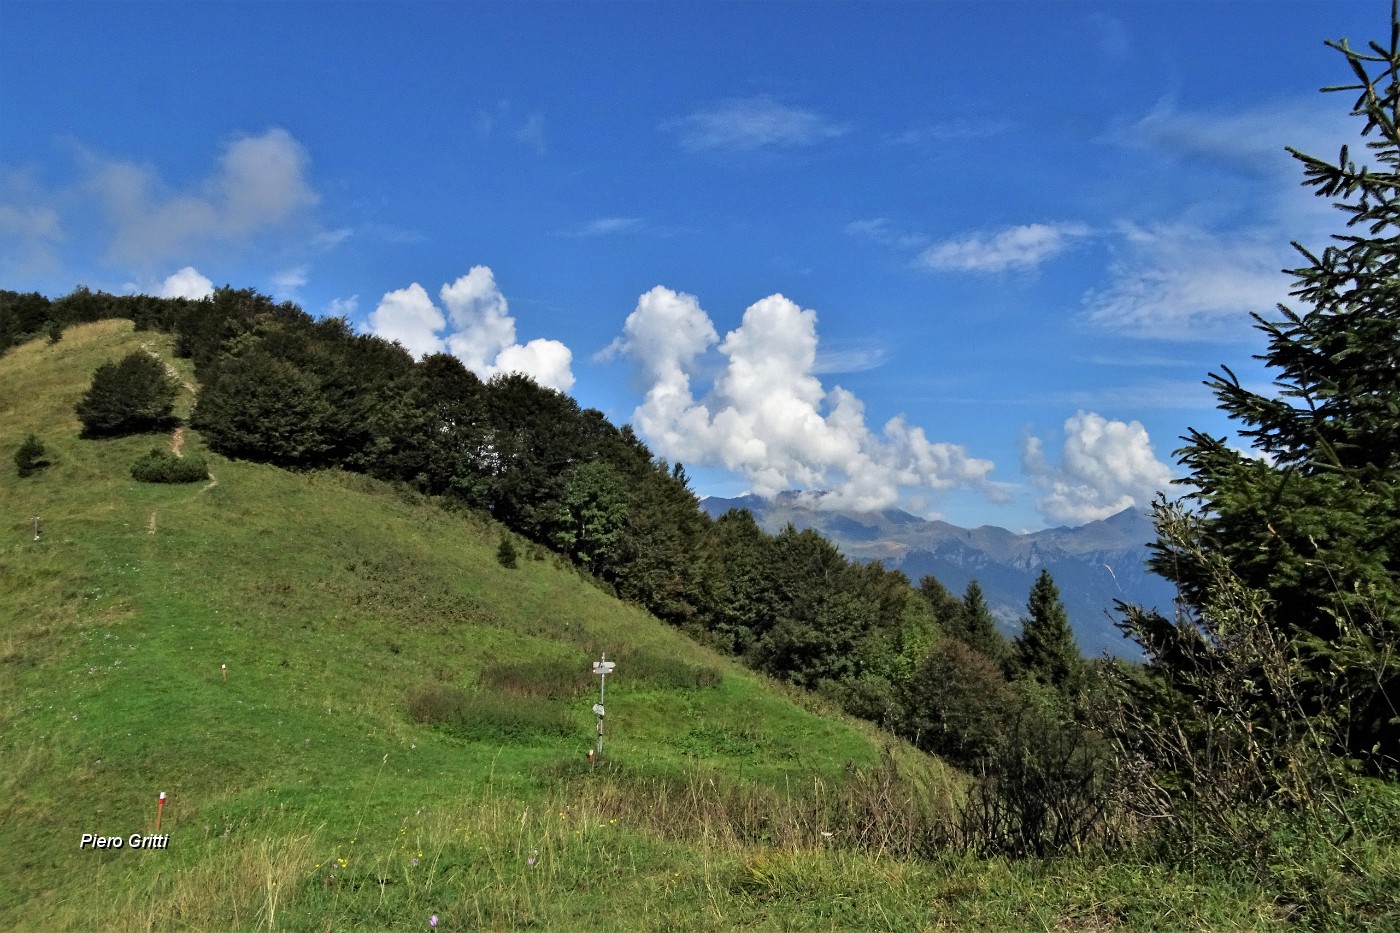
x=604, y=667
x=598, y=708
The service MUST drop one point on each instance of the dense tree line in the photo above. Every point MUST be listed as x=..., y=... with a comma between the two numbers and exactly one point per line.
x=279, y=386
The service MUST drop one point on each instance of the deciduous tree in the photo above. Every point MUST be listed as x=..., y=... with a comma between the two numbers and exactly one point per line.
x=132, y=396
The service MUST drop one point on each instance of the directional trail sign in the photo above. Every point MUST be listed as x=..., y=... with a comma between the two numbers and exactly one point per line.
x=602, y=667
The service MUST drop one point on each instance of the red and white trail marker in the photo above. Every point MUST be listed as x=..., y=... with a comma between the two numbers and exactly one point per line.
x=224, y=668
x=160, y=810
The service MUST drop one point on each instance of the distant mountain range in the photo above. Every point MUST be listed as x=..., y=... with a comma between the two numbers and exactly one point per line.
x=1093, y=565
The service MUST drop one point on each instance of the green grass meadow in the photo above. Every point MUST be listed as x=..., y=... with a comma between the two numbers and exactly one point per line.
x=404, y=728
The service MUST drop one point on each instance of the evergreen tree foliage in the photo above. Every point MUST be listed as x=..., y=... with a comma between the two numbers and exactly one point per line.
x=655, y=564
x=132, y=396
x=505, y=553
x=22, y=316
x=1046, y=650
x=976, y=627
x=30, y=457
x=946, y=607
x=1313, y=519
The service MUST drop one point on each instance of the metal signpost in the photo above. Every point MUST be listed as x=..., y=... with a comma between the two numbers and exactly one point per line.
x=602, y=668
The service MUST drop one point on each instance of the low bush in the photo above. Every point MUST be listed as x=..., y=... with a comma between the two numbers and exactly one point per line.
x=484, y=716
x=657, y=670
x=548, y=680
x=161, y=466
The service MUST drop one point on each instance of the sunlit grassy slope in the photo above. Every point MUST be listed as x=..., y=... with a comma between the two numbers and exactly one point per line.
x=303, y=795
x=331, y=599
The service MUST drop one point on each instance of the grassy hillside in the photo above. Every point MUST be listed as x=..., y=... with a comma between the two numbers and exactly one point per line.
x=403, y=729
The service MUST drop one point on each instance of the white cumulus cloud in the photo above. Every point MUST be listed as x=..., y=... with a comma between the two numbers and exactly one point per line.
x=186, y=283
x=767, y=416
x=1022, y=247
x=1105, y=467
x=409, y=316
x=477, y=328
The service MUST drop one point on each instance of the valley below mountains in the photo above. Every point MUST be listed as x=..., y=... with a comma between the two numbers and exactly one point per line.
x=1093, y=564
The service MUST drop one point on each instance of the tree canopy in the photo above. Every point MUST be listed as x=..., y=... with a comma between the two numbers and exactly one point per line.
x=132, y=396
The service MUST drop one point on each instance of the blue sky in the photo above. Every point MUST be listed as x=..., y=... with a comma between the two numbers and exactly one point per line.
x=974, y=259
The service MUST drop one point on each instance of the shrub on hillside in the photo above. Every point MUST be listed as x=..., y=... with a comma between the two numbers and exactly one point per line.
x=29, y=459
x=486, y=716
x=130, y=397
x=546, y=679
x=160, y=466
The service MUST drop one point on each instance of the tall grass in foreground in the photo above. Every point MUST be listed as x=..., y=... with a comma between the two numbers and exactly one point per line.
x=609, y=848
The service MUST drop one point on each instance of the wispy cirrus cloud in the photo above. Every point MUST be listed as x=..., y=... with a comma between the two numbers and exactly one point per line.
x=1249, y=142
x=607, y=226
x=288, y=283
x=1017, y=248
x=528, y=131
x=1199, y=276
x=883, y=231
x=943, y=132
x=860, y=359
x=1182, y=282
x=260, y=183
x=747, y=124
x=343, y=307
x=259, y=186
x=1110, y=36
x=531, y=133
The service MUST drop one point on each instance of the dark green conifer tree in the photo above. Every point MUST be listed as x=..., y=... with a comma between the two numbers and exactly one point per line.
x=1046, y=650
x=30, y=459
x=1311, y=518
x=976, y=627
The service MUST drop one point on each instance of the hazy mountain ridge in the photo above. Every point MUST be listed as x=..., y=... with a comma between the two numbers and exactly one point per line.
x=1093, y=564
